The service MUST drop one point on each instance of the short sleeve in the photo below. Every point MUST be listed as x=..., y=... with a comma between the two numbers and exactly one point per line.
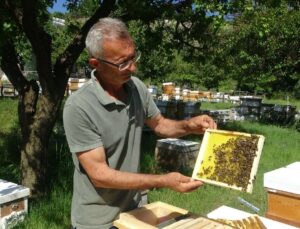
x=81, y=133
x=151, y=109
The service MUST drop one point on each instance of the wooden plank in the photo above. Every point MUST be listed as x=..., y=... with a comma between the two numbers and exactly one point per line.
x=203, y=223
x=178, y=224
x=150, y=215
x=132, y=223
x=13, y=206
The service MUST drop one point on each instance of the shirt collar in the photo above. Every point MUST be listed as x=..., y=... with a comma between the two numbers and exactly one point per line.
x=101, y=94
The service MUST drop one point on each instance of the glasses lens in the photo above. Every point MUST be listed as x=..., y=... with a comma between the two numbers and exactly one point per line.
x=137, y=56
x=127, y=64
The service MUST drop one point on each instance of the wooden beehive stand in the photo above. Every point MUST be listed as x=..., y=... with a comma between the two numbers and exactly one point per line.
x=162, y=215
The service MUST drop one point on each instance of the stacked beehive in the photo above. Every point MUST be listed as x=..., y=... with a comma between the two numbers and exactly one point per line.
x=175, y=154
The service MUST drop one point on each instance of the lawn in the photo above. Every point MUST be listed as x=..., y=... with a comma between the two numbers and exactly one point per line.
x=282, y=147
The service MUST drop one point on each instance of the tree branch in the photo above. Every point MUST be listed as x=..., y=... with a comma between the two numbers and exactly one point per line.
x=66, y=60
x=14, y=11
x=9, y=64
x=40, y=42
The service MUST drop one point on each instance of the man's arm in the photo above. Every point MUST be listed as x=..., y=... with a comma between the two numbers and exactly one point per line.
x=101, y=175
x=172, y=128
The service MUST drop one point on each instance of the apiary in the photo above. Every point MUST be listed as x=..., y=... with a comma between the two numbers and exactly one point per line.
x=176, y=154
x=13, y=203
x=168, y=88
x=74, y=84
x=229, y=159
x=162, y=215
x=284, y=194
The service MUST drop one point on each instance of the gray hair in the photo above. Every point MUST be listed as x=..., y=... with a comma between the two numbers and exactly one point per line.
x=105, y=28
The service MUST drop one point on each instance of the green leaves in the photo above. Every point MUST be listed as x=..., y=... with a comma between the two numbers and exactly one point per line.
x=263, y=49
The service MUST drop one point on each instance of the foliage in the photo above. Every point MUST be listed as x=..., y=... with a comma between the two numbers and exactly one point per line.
x=183, y=73
x=156, y=54
x=261, y=50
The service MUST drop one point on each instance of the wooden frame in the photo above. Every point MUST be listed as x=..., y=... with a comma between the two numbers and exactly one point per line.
x=214, y=138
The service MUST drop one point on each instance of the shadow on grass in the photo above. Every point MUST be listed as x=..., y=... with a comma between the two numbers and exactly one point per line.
x=60, y=165
x=10, y=155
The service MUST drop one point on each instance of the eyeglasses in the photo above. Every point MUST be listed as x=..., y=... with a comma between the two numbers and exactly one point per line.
x=123, y=66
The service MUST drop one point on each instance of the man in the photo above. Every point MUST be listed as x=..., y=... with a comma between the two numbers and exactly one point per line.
x=103, y=121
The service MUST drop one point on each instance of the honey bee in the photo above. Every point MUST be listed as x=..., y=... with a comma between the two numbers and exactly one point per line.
x=233, y=161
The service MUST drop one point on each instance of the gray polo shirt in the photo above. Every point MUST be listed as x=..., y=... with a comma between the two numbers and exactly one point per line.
x=93, y=119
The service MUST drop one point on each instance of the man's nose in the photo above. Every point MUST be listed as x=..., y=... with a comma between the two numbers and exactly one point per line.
x=132, y=67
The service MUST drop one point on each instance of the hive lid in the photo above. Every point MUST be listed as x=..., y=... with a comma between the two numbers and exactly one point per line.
x=284, y=179
x=10, y=191
x=175, y=143
x=229, y=169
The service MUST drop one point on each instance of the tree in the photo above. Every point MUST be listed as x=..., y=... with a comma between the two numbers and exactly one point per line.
x=38, y=112
x=27, y=20
x=264, y=53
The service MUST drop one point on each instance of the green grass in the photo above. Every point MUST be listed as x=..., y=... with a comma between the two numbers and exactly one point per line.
x=282, y=147
x=216, y=106
x=8, y=114
x=292, y=102
x=9, y=140
x=52, y=211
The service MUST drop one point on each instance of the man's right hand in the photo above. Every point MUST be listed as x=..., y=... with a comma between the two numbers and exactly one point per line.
x=181, y=183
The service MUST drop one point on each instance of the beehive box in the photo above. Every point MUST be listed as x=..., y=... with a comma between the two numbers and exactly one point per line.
x=162, y=215
x=176, y=154
x=13, y=203
x=284, y=194
x=74, y=84
x=229, y=159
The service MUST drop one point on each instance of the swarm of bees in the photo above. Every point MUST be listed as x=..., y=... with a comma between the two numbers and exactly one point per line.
x=232, y=161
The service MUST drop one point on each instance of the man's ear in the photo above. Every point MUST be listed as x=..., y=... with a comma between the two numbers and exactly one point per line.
x=93, y=62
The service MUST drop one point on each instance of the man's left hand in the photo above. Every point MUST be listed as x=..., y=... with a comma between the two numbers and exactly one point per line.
x=198, y=124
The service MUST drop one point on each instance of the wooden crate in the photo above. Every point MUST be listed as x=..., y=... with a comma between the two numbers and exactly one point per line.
x=13, y=203
x=207, y=163
x=284, y=194
x=284, y=207
x=162, y=215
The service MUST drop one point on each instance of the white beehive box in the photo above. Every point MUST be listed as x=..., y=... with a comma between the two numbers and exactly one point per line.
x=13, y=203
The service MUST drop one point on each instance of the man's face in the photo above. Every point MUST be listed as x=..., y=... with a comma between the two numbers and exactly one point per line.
x=116, y=52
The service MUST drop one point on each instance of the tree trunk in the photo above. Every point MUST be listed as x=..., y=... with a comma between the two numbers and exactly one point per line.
x=38, y=112
x=36, y=132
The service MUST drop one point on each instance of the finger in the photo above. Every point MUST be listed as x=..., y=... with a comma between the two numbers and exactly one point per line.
x=212, y=124
x=191, y=186
x=185, y=179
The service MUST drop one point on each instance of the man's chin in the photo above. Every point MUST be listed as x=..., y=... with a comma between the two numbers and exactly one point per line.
x=127, y=77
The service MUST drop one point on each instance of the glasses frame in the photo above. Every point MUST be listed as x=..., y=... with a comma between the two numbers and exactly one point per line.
x=126, y=64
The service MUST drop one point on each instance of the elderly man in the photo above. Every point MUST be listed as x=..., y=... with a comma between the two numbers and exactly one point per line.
x=103, y=121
